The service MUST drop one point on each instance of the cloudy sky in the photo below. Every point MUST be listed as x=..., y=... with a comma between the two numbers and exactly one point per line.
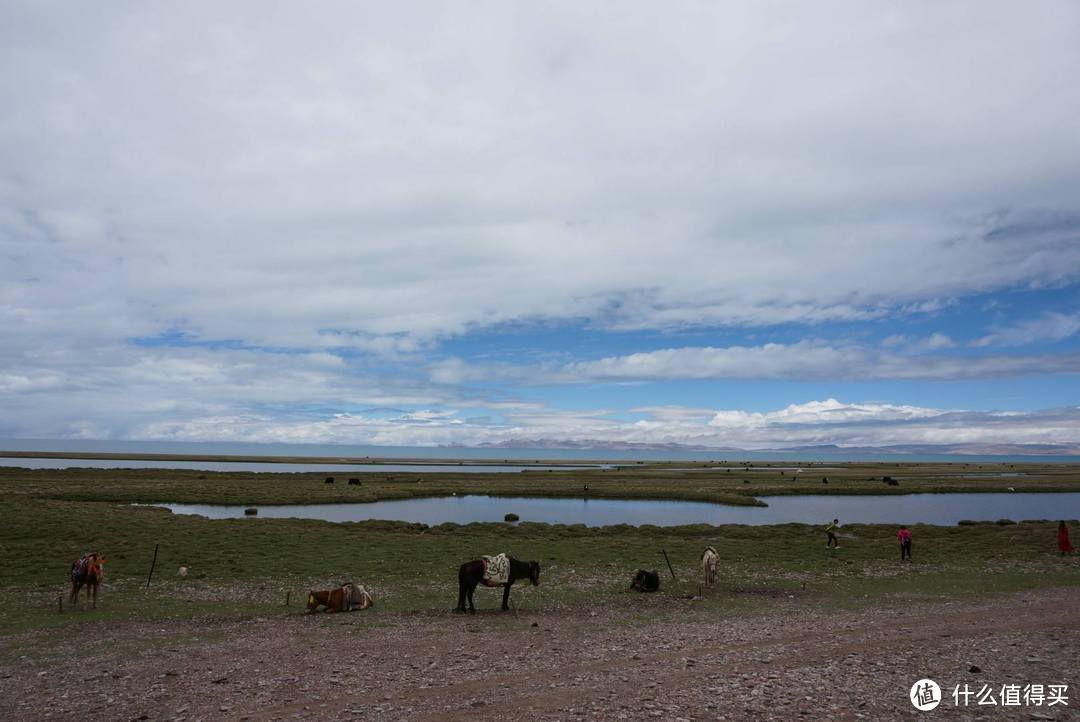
x=408, y=223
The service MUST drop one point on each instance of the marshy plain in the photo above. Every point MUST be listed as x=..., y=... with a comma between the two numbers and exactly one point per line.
x=248, y=577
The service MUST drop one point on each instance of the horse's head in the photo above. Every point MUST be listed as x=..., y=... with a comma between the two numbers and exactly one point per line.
x=534, y=573
x=95, y=564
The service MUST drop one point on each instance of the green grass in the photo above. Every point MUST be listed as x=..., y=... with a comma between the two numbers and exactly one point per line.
x=688, y=482
x=245, y=567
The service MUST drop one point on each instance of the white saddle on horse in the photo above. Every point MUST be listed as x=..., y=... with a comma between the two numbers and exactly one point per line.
x=496, y=570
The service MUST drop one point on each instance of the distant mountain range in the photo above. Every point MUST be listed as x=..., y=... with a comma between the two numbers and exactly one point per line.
x=899, y=449
x=964, y=449
x=523, y=443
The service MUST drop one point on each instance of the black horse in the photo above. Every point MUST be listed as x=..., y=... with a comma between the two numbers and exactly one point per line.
x=472, y=573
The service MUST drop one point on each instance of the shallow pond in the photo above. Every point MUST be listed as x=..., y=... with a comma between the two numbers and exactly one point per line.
x=751, y=469
x=945, y=509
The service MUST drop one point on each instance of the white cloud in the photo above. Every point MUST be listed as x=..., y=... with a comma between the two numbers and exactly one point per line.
x=673, y=412
x=384, y=176
x=815, y=422
x=1049, y=327
x=120, y=392
x=335, y=195
x=200, y=394
x=829, y=411
x=933, y=342
x=937, y=341
x=804, y=360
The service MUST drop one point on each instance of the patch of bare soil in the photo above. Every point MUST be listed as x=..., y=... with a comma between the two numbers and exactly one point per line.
x=578, y=664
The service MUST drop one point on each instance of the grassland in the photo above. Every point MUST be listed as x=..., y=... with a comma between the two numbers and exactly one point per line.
x=245, y=567
x=727, y=484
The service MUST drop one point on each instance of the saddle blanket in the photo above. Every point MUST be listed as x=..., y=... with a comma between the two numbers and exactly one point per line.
x=80, y=568
x=496, y=570
x=356, y=596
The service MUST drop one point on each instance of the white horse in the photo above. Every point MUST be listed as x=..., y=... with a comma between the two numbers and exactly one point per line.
x=709, y=560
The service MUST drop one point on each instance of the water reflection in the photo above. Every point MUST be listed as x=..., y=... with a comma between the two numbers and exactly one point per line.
x=944, y=509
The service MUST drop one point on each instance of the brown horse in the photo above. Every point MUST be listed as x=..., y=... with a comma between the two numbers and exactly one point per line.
x=472, y=573
x=88, y=570
x=346, y=598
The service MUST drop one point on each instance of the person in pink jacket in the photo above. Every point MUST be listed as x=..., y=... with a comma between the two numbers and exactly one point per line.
x=904, y=537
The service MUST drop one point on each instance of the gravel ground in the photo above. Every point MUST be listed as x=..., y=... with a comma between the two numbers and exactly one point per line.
x=795, y=661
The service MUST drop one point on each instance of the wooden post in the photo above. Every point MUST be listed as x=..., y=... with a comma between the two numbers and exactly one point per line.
x=286, y=599
x=668, y=564
x=152, y=564
x=60, y=599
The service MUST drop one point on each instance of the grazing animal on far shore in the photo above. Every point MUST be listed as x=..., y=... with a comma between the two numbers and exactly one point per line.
x=88, y=570
x=709, y=560
x=473, y=573
x=645, y=581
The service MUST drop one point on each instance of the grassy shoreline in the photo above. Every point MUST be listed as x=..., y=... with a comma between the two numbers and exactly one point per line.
x=739, y=487
x=241, y=568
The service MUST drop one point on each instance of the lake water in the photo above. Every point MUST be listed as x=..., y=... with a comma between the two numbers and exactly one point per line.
x=262, y=467
x=942, y=509
x=752, y=469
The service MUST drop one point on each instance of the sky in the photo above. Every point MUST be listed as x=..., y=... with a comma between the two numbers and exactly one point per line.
x=746, y=225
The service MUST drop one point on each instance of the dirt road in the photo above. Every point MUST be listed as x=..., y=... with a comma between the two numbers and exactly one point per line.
x=798, y=661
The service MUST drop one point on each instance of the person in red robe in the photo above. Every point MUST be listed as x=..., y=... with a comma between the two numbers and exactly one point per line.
x=1063, y=539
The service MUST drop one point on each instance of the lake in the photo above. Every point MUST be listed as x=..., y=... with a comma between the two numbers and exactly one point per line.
x=941, y=509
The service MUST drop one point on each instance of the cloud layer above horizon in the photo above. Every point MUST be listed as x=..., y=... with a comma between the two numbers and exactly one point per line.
x=416, y=225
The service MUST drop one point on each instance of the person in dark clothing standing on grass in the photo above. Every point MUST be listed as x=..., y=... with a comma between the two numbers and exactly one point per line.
x=904, y=537
x=833, y=542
